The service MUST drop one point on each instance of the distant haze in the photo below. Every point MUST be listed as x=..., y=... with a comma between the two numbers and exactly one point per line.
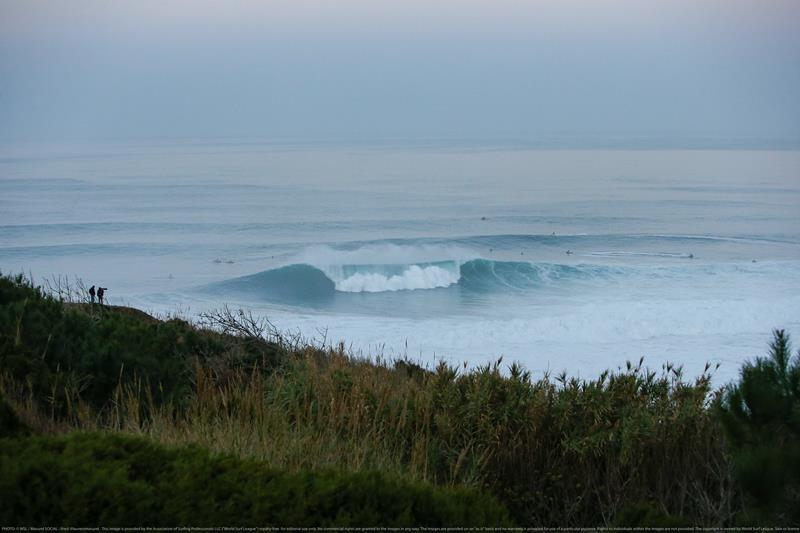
x=582, y=71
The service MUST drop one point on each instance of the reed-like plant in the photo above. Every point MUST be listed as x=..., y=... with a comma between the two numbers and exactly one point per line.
x=557, y=451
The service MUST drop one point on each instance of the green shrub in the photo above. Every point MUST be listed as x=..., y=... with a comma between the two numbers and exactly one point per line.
x=761, y=414
x=94, y=479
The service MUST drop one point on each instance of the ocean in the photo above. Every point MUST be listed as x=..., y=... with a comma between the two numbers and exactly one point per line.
x=559, y=259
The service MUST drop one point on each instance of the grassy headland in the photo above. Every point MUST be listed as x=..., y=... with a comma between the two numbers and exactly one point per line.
x=632, y=447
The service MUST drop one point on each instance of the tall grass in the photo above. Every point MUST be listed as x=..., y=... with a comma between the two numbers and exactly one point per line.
x=557, y=451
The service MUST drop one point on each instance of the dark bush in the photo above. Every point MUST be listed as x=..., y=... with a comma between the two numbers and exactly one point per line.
x=94, y=479
x=761, y=414
x=647, y=515
x=10, y=424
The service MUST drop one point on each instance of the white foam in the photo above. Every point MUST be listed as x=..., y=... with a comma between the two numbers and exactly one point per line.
x=414, y=277
x=582, y=339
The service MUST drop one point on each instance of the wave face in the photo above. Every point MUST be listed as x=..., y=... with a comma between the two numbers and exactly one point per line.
x=291, y=284
x=482, y=275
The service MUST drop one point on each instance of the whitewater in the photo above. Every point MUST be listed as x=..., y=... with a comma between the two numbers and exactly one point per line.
x=562, y=260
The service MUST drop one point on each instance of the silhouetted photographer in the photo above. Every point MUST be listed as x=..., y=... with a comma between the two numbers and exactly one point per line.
x=100, y=293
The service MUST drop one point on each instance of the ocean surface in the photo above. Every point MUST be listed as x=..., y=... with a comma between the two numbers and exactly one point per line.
x=562, y=260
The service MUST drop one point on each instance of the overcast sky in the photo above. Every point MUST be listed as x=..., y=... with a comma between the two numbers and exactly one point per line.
x=76, y=70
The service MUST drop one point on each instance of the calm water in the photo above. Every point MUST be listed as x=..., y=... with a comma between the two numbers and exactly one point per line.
x=562, y=260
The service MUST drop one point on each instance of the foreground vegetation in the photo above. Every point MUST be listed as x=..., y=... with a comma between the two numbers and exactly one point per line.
x=87, y=478
x=632, y=447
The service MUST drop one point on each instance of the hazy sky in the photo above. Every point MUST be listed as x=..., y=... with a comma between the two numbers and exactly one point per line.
x=73, y=70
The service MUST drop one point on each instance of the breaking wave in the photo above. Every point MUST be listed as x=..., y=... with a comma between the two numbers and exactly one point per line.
x=475, y=275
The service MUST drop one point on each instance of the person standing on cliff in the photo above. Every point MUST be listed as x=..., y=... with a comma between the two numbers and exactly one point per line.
x=100, y=292
x=91, y=293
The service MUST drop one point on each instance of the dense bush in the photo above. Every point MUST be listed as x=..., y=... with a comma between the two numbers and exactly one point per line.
x=761, y=414
x=558, y=452
x=94, y=479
